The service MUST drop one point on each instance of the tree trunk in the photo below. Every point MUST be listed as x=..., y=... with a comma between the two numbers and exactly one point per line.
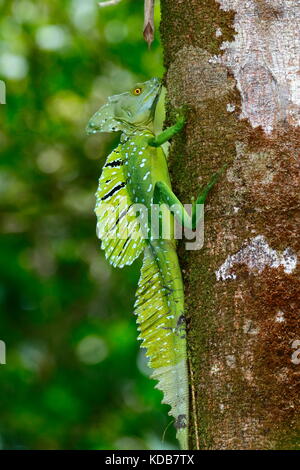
x=235, y=64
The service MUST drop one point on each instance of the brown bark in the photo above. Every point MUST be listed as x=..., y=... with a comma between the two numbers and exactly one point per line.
x=242, y=289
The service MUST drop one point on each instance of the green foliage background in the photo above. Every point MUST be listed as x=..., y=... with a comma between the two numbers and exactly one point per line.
x=75, y=377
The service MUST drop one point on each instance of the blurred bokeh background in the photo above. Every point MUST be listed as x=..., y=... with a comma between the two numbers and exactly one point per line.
x=74, y=376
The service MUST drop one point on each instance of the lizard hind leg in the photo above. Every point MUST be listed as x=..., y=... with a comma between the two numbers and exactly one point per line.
x=159, y=307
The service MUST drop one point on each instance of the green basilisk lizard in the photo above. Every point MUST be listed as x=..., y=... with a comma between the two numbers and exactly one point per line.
x=136, y=172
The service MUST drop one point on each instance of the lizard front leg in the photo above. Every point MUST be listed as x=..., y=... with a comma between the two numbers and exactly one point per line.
x=168, y=133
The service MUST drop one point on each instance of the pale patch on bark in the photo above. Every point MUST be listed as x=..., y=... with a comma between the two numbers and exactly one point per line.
x=231, y=361
x=264, y=59
x=279, y=317
x=218, y=32
x=230, y=107
x=257, y=255
x=216, y=368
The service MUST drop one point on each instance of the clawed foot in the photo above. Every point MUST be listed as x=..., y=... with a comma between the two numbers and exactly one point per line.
x=181, y=117
x=215, y=177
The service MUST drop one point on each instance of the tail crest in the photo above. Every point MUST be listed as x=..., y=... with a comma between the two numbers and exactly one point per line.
x=159, y=310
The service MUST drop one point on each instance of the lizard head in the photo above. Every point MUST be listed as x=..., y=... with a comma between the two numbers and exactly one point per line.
x=134, y=108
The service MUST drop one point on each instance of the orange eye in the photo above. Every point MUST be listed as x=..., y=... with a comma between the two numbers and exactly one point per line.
x=137, y=91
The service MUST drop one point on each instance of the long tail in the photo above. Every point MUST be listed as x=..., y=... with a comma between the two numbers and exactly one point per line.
x=159, y=309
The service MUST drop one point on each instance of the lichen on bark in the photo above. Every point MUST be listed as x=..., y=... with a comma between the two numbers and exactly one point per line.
x=240, y=329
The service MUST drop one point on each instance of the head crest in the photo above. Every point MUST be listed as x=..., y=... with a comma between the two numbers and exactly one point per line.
x=123, y=112
x=104, y=120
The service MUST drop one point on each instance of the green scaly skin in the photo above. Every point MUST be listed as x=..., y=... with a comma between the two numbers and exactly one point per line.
x=136, y=172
